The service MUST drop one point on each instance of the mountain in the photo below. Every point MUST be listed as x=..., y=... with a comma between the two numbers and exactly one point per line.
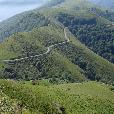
x=72, y=62
x=104, y=3
x=79, y=15
x=23, y=22
x=35, y=30
x=58, y=59
x=34, y=43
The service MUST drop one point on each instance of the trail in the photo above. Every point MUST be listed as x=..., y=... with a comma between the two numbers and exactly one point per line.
x=48, y=49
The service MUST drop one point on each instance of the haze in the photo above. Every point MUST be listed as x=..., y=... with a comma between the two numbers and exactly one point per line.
x=9, y=8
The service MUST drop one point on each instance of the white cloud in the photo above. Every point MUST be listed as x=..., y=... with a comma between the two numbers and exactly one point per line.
x=9, y=8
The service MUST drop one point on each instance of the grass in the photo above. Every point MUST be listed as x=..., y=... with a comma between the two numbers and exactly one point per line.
x=45, y=97
x=55, y=64
x=81, y=98
x=59, y=61
x=33, y=43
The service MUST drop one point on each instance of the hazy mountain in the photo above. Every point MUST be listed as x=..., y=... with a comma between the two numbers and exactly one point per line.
x=104, y=3
x=17, y=6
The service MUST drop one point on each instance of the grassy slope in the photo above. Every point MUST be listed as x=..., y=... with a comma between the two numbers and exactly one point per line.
x=101, y=66
x=36, y=42
x=58, y=61
x=39, y=38
x=89, y=97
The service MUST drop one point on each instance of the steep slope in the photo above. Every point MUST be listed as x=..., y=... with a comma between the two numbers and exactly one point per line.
x=89, y=97
x=67, y=60
x=94, y=32
x=22, y=22
x=28, y=20
x=94, y=67
x=81, y=8
x=99, y=32
x=71, y=61
x=51, y=46
x=53, y=65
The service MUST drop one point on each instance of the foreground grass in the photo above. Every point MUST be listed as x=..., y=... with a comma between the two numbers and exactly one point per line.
x=82, y=98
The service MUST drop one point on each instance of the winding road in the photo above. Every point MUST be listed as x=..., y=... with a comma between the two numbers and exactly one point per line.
x=48, y=49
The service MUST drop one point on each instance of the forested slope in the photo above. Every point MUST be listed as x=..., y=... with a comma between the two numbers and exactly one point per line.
x=97, y=36
x=55, y=60
x=53, y=65
x=70, y=61
x=22, y=22
x=92, y=25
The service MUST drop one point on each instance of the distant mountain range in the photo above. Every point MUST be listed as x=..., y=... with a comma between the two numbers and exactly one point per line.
x=104, y=3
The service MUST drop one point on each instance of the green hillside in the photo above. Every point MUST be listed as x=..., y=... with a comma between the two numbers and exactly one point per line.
x=28, y=20
x=58, y=59
x=22, y=22
x=53, y=65
x=70, y=61
x=78, y=15
x=81, y=98
x=89, y=30
x=92, y=25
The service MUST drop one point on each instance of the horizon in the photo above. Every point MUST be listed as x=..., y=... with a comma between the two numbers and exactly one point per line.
x=9, y=8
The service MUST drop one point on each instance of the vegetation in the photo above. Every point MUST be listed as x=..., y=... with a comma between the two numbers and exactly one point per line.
x=107, y=14
x=70, y=78
x=53, y=65
x=96, y=36
x=22, y=22
x=89, y=97
x=70, y=62
x=105, y=4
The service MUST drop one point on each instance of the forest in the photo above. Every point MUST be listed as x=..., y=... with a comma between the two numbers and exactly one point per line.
x=98, y=37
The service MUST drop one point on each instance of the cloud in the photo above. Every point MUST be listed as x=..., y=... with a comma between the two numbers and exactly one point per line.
x=21, y=2
x=9, y=8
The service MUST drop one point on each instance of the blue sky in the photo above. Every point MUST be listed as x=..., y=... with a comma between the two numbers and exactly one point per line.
x=9, y=8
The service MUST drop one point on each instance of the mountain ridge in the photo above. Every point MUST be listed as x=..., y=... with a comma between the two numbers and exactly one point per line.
x=30, y=43
x=58, y=59
x=104, y=3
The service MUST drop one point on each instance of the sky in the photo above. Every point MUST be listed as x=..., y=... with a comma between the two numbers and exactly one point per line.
x=8, y=8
